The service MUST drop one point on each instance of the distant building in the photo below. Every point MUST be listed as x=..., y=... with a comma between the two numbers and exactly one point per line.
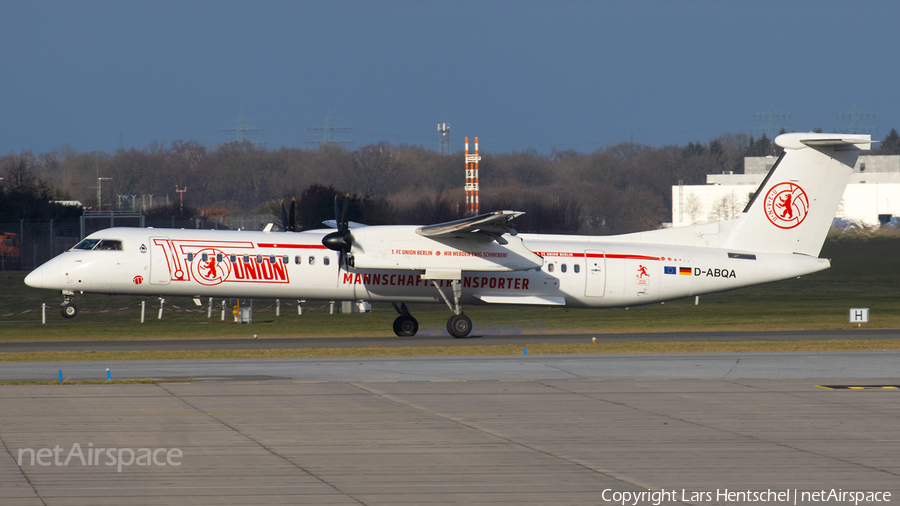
x=871, y=197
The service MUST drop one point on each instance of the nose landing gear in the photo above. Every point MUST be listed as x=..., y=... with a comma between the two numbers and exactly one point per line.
x=67, y=309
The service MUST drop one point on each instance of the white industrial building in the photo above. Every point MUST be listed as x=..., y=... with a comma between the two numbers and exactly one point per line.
x=873, y=193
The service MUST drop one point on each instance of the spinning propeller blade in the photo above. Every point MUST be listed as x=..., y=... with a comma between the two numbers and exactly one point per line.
x=341, y=240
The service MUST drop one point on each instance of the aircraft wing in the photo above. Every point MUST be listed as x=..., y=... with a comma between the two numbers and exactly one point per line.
x=485, y=226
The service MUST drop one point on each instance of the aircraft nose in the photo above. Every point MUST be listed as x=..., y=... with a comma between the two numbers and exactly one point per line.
x=35, y=278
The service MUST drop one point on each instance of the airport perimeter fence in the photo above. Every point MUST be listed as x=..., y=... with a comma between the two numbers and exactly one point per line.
x=41, y=241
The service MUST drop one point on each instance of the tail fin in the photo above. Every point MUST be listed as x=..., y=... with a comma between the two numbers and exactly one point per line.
x=795, y=205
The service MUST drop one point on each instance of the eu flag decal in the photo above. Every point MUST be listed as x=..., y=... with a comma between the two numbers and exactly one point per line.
x=669, y=270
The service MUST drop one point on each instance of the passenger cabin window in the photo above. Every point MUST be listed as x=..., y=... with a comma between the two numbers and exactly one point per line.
x=272, y=259
x=576, y=268
x=550, y=267
x=205, y=257
x=218, y=257
x=246, y=258
x=298, y=260
x=285, y=260
x=562, y=268
x=259, y=259
x=190, y=257
x=326, y=260
x=312, y=260
x=233, y=258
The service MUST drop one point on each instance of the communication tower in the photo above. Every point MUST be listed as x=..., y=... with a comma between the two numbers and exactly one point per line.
x=241, y=129
x=444, y=132
x=853, y=125
x=329, y=130
x=472, y=179
x=774, y=121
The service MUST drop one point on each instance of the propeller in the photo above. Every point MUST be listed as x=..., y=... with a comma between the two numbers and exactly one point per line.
x=341, y=240
x=292, y=216
x=289, y=219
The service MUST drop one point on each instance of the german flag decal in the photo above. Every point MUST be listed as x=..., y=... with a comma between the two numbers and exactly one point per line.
x=684, y=271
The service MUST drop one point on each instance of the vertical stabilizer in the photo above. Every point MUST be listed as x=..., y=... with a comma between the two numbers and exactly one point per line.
x=795, y=205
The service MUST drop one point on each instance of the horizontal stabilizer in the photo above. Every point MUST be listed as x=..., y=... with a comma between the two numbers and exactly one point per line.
x=813, y=139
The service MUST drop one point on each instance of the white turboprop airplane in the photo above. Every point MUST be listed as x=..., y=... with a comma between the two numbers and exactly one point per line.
x=482, y=260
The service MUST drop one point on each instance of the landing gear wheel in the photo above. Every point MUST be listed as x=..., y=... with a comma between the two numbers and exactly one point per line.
x=459, y=325
x=405, y=325
x=68, y=310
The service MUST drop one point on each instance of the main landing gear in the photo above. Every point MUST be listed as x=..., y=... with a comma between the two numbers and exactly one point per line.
x=67, y=309
x=405, y=325
x=459, y=325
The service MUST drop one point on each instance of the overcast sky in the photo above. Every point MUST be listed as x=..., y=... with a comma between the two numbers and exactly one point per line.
x=518, y=74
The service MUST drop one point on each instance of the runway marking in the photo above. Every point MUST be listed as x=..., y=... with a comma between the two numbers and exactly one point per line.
x=860, y=387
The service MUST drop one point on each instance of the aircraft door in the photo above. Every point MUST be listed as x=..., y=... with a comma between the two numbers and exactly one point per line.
x=595, y=273
x=160, y=250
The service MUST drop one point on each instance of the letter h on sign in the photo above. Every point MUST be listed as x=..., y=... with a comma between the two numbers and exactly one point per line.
x=859, y=315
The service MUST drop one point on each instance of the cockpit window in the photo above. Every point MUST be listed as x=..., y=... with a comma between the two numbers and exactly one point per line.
x=109, y=245
x=87, y=244
x=99, y=245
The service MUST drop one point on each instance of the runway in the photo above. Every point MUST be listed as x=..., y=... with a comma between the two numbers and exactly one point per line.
x=265, y=342
x=833, y=365
x=558, y=429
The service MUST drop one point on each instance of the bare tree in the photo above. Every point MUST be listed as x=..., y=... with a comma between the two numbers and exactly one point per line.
x=18, y=173
x=693, y=208
x=727, y=207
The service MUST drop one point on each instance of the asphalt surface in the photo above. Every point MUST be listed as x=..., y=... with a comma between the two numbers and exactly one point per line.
x=561, y=432
x=836, y=365
x=263, y=343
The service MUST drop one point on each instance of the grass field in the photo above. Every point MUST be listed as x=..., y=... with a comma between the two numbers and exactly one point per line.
x=865, y=273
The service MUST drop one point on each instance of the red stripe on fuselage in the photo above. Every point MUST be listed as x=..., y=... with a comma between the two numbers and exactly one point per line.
x=293, y=246
x=563, y=254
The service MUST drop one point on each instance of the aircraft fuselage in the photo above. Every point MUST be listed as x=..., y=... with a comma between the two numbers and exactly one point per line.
x=576, y=272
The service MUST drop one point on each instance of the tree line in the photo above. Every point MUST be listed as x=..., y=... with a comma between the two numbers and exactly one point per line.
x=617, y=189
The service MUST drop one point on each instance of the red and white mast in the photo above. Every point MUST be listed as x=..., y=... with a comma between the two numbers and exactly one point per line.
x=472, y=179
